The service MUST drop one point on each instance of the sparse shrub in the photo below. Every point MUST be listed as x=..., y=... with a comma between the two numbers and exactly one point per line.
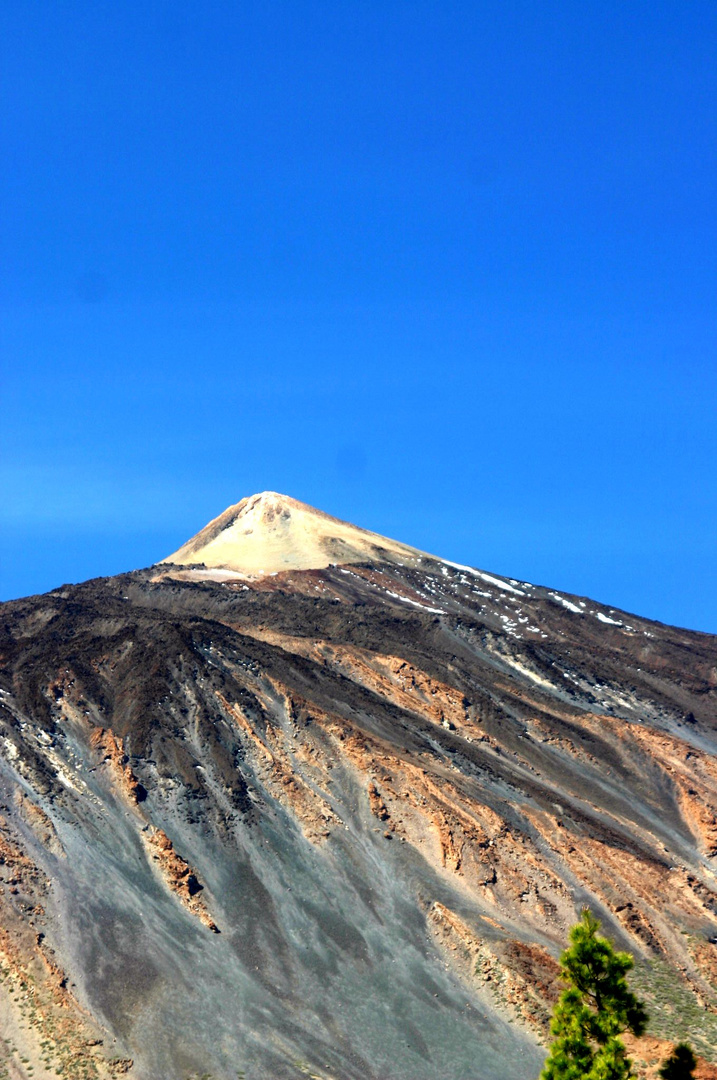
x=680, y=1065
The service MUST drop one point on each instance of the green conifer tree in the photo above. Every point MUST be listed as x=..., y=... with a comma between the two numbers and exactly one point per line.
x=593, y=1011
x=680, y=1065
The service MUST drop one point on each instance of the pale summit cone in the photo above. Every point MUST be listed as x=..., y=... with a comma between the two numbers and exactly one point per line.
x=269, y=533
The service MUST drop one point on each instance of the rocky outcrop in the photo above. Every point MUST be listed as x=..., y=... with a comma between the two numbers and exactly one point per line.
x=521, y=977
x=111, y=753
x=178, y=875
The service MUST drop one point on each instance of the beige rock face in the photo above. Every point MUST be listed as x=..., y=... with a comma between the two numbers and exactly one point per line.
x=268, y=533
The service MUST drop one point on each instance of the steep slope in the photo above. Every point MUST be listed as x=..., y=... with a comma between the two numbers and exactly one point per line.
x=335, y=821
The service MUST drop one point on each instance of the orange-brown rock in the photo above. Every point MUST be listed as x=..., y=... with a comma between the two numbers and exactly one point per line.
x=178, y=875
x=648, y=1053
x=110, y=750
x=522, y=977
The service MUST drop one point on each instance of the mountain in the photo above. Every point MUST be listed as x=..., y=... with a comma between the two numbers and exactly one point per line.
x=304, y=801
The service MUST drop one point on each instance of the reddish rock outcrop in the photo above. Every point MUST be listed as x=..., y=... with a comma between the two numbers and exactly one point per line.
x=178, y=875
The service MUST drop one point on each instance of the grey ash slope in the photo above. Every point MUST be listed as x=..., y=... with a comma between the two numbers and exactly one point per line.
x=389, y=787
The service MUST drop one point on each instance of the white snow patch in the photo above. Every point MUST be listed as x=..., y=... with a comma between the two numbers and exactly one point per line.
x=566, y=603
x=395, y=595
x=66, y=780
x=486, y=577
x=604, y=619
x=407, y=600
x=10, y=750
x=527, y=672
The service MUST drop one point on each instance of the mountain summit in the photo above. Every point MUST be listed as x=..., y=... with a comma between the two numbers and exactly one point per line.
x=268, y=533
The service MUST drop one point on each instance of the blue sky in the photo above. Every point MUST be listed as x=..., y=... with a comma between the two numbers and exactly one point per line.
x=444, y=269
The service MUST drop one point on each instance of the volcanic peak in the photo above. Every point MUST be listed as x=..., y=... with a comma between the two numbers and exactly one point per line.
x=269, y=532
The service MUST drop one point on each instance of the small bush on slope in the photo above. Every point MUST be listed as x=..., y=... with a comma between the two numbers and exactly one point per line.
x=680, y=1064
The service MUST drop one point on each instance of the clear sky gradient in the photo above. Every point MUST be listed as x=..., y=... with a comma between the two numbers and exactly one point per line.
x=444, y=269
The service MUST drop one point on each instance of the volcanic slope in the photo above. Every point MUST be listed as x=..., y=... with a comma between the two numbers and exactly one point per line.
x=335, y=820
